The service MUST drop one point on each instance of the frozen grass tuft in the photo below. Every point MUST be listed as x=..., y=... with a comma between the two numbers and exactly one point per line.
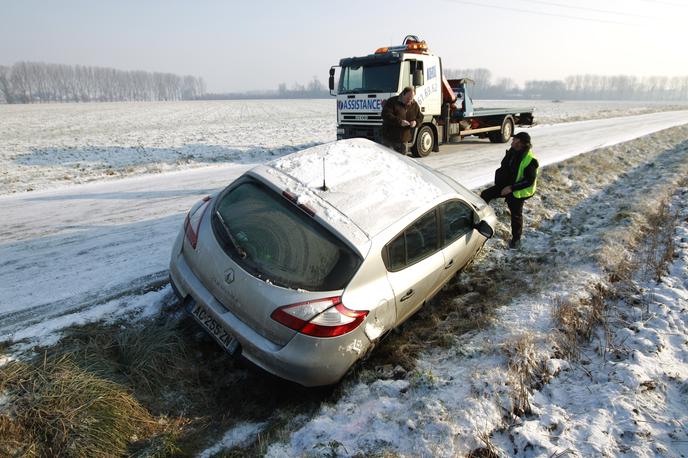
x=487, y=450
x=525, y=369
x=58, y=409
x=147, y=357
x=659, y=247
x=577, y=320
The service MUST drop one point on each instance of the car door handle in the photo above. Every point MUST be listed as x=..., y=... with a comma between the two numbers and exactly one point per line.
x=449, y=264
x=408, y=294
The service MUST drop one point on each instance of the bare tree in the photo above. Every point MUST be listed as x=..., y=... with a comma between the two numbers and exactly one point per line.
x=315, y=86
x=5, y=90
x=282, y=89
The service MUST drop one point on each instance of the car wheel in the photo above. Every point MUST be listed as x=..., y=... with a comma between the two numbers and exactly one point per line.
x=425, y=142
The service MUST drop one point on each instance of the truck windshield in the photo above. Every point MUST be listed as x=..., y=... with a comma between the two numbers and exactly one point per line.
x=369, y=78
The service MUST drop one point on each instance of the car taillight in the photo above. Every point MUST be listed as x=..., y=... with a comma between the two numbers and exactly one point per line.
x=193, y=220
x=326, y=317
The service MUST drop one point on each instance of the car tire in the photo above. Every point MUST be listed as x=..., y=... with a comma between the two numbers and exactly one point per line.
x=425, y=142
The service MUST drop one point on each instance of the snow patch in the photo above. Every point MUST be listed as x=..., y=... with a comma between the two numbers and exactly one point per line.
x=240, y=435
x=47, y=333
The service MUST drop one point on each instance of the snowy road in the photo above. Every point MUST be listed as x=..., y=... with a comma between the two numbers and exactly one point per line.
x=473, y=161
x=70, y=249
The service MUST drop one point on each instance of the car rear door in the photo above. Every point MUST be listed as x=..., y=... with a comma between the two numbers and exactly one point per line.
x=414, y=263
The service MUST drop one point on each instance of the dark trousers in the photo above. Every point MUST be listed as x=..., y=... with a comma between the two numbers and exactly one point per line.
x=398, y=147
x=515, y=208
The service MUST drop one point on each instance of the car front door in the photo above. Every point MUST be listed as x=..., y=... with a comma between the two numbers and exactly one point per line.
x=457, y=222
x=414, y=263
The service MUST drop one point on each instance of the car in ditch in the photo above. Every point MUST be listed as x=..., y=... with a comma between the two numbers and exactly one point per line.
x=303, y=264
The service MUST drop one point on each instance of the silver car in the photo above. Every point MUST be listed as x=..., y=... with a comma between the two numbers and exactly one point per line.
x=304, y=263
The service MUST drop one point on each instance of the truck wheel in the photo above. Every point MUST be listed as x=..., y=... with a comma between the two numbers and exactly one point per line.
x=425, y=141
x=505, y=134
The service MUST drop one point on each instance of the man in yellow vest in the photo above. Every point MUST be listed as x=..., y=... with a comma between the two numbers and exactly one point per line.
x=515, y=181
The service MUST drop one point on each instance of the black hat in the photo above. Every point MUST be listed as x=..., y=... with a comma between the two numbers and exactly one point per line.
x=523, y=136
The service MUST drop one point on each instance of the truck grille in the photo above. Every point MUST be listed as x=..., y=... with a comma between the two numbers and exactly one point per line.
x=362, y=118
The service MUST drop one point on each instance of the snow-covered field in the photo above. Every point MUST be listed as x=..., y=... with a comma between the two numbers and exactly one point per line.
x=44, y=146
x=88, y=252
x=548, y=112
x=48, y=145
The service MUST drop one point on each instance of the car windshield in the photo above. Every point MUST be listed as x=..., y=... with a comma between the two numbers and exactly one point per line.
x=279, y=242
x=369, y=78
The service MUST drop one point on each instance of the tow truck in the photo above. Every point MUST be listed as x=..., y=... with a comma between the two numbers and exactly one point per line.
x=366, y=82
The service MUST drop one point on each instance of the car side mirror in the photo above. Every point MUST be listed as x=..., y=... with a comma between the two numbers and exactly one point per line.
x=484, y=229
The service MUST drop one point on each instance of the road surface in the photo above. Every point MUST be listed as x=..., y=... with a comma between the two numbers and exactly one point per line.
x=70, y=249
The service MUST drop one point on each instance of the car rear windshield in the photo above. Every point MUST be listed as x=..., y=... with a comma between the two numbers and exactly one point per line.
x=277, y=242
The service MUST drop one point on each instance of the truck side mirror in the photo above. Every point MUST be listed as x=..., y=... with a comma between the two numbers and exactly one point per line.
x=418, y=77
x=331, y=81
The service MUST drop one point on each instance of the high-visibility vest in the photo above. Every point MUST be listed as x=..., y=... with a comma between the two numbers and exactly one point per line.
x=529, y=191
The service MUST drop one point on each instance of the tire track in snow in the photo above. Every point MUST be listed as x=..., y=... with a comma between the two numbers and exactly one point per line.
x=13, y=322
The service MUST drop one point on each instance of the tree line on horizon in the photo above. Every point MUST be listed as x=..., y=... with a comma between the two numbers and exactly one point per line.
x=577, y=87
x=39, y=82
x=313, y=90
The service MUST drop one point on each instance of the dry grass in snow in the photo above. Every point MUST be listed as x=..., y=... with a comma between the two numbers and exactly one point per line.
x=60, y=409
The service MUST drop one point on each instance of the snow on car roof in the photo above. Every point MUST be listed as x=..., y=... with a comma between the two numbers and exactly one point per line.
x=368, y=183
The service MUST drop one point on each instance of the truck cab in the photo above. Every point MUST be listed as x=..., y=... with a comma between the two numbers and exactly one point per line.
x=365, y=83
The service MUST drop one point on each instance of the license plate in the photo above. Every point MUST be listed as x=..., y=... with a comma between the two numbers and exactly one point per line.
x=223, y=337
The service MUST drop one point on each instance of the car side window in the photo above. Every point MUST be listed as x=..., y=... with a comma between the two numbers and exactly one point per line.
x=457, y=220
x=418, y=241
x=397, y=253
x=421, y=238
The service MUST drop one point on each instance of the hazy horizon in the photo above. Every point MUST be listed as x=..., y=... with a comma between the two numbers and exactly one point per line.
x=239, y=47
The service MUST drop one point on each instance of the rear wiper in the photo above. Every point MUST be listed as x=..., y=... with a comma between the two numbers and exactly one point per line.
x=235, y=244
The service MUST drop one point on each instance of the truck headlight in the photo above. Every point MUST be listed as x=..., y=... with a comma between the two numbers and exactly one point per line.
x=340, y=131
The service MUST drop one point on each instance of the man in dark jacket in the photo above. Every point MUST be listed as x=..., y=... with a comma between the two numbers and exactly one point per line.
x=515, y=181
x=400, y=114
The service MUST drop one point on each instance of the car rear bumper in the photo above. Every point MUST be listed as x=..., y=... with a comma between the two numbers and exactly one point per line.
x=308, y=361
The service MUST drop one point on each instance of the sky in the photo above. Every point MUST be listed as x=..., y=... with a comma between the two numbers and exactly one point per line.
x=258, y=44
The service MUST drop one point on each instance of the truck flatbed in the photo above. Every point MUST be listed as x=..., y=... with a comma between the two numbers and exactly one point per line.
x=499, y=111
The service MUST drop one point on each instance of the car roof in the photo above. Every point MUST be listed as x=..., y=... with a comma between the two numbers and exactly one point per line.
x=366, y=183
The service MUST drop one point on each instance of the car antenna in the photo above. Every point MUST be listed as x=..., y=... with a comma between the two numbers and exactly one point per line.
x=324, y=186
